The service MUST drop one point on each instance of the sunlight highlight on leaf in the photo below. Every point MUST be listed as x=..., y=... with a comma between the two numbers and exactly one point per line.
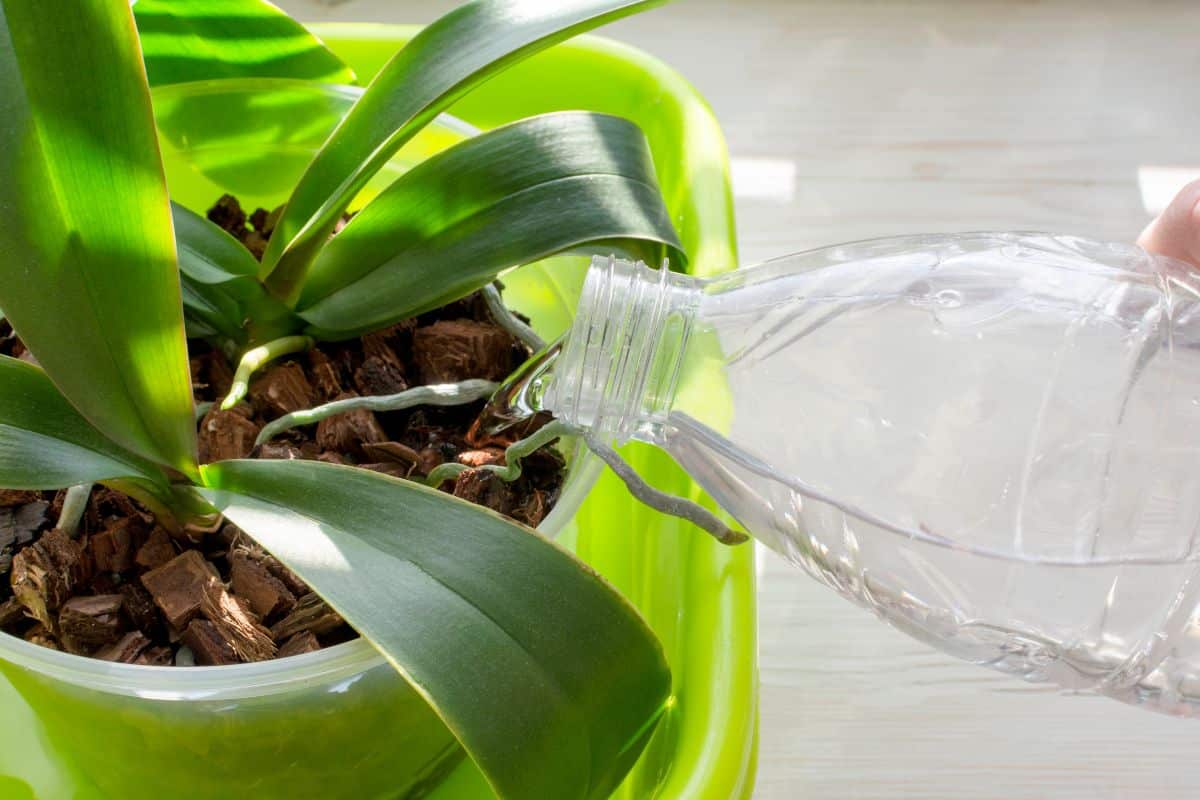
x=186, y=40
x=87, y=229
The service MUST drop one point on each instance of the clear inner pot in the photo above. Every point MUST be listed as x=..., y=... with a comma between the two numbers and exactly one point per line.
x=339, y=722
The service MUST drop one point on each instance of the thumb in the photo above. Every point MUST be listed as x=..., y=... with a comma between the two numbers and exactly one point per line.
x=1176, y=231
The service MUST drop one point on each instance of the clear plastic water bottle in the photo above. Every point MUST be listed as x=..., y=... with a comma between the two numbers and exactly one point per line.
x=991, y=440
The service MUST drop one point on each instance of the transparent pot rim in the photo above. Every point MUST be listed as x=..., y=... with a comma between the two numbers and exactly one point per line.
x=343, y=661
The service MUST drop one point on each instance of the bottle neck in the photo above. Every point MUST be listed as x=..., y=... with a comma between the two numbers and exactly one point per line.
x=617, y=373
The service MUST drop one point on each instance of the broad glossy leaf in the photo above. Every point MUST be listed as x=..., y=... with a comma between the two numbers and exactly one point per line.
x=88, y=274
x=442, y=63
x=194, y=40
x=507, y=197
x=550, y=680
x=45, y=444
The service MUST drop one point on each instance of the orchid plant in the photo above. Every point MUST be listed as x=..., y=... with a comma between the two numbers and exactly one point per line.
x=548, y=677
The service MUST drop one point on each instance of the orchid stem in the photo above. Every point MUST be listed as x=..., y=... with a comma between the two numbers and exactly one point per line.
x=257, y=357
x=509, y=321
x=513, y=455
x=661, y=501
x=439, y=394
x=74, y=504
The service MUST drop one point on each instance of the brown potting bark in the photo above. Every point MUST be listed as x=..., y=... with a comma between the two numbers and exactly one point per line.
x=180, y=586
x=455, y=350
x=282, y=389
x=303, y=642
x=140, y=610
x=347, y=433
x=533, y=508
x=251, y=580
x=126, y=649
x=112, y=548
x=11, y=613
x=17, y=497
x=220, y=375
x=106, y=507
x=46, y=574
x=326, y=378
x=396, y=452
x=259, y=220
x=85, y=623
x=379, y=376
x=486, y=489
x=285, y=575
x=228, y=215
x=311, y=614
x=390, y=342
x=157, y=550
x=157, y=656
x=235, y=626
x=227, y=434
x=19, y=524
x=209, y=647
x=40, y=635
x=430, y=458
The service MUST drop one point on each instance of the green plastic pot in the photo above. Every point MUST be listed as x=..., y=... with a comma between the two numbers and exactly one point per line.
x=339, y=723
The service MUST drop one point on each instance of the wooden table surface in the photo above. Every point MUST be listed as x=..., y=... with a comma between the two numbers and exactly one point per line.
x=849, y=120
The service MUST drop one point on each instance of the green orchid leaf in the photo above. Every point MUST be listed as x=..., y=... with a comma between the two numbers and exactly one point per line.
x=220, y=287
x=442, y=63
x=510, y=196
x=213, y=267
x=187, y=40
x=196, y=327
x=88, y=274
x=46, y=444
x=210, y=313
x=549, y=679
x=207, y=254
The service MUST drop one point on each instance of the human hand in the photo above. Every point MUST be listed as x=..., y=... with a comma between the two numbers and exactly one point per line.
x=1176, y=231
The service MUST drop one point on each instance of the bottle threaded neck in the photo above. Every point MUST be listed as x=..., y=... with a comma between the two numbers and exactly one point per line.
x=620, y=361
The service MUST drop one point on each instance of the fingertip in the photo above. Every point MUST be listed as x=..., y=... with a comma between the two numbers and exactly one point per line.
x=1176, y=232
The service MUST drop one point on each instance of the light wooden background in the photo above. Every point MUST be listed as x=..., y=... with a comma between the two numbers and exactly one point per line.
x=855, y=119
